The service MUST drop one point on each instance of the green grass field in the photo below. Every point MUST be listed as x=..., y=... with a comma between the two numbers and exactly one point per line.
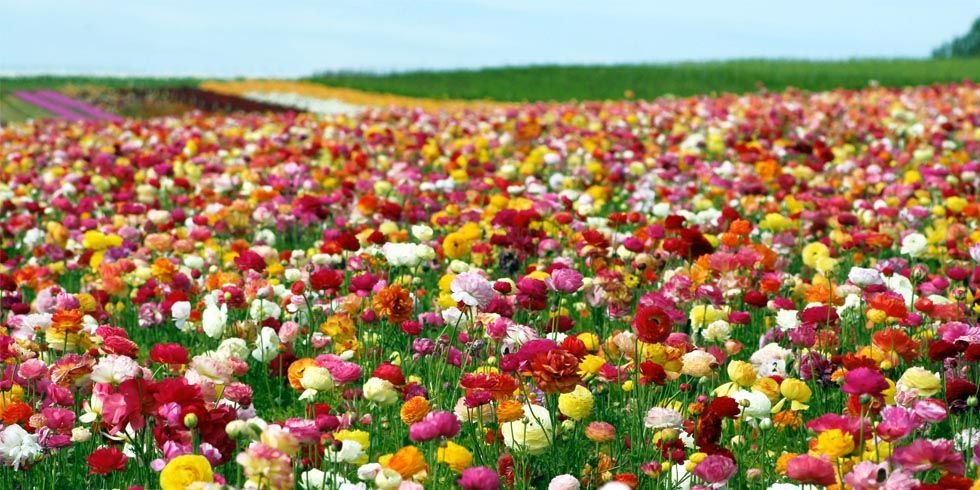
x=13, y=109
x=649, y=81
x=9, y=84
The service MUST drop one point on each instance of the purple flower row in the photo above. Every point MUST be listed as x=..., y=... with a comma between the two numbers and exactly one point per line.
x=65, y=107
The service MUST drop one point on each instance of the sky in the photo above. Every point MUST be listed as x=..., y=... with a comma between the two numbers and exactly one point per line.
x=227, y=38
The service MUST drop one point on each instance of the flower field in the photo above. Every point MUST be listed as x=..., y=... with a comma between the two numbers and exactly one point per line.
x=772, y=290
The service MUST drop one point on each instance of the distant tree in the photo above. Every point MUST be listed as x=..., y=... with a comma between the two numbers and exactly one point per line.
x=965, y=46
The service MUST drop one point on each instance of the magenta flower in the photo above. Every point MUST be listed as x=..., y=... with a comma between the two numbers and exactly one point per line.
x=924, y=455
x=864, y=381
x=566, y=280
x=435, y=424
x=479, y=478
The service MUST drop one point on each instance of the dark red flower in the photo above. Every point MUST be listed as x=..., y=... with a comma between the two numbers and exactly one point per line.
x=651, y=324
x=249, y=260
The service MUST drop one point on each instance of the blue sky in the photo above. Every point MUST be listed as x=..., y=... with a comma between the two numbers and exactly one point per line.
x=295, y=38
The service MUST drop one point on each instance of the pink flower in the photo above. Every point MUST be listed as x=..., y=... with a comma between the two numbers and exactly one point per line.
x=32, y=369
x=924, y=454
x=479, y=478
x=896, y=423
x=343, y=372
x=716, y=468
x=929, y=410
x=807, y=469
x=566, y=280
x=864, y=381
x=472, y=289
x=867, y=475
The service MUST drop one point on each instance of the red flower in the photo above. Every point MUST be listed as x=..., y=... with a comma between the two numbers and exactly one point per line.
x=651, y=324
x=652, y=372
x=325, y=279
x=555, y=371
x=390, y=372
x=169, y=354
x=106, y=460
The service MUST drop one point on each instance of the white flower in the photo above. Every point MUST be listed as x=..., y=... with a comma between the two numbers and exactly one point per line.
x=422, y=232
x=403, y=254
x=261, y=309
x=914, y=245
x=266, y=345
x=864, y=277
x=975, y=252
x=349, y=452
x=754, y=405
x=214, y=317
x=787, y=320
x=662, y=418
x=901, y=285
x=232, y=347
x=368, y=471
x=717, y=331
x=564, y=482
x=315, y=479
x=533, y=433
x=453, y=316
x=115, y=369
x=380, y=391
x=770, y=360
x=181, y=311
x=18, y=447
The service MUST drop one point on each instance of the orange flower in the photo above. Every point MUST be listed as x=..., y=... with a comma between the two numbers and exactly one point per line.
x=295, y=372
x=740, y=227
x=163, y=270
x=67, y=321
x=414, y=410
x=509, y=411
x=17, y=413
x=788, y=419
x=393, y=302
x=407, y=461
x=219, y=279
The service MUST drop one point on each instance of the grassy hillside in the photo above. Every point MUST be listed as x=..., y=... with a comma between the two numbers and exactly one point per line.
x=649, y=81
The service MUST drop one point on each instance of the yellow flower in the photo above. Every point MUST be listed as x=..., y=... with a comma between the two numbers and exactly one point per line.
x=576, y=404
x=99, y=242
x=956, y=204
x=775, y=222
x=455, y=246
x=876, y=316
x=185, y=470
x=834, y=443
x=742, y=373
x=591, y=364
x=814, y=252
x=825, y=265
x=796, y=392
x=926, y=382
x=457, y=457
